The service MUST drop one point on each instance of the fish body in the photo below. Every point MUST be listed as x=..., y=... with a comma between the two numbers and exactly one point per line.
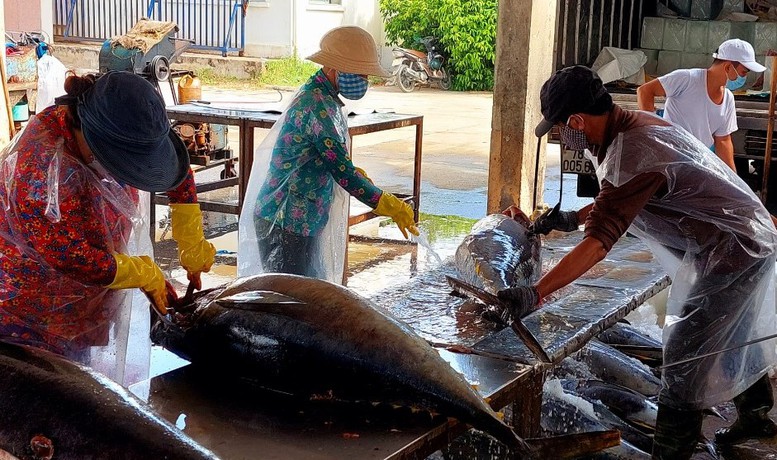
x=80, y=413
x=627, y=404
x=603, y=415
x=610, y=365
x=624, y=334
x=307, y=336
x=499, y=253
x=563, y=415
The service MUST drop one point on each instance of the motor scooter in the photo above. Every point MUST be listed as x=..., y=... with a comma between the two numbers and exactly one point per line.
x=412, y=68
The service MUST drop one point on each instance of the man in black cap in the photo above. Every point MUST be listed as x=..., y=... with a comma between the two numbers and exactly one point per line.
x=708, y=229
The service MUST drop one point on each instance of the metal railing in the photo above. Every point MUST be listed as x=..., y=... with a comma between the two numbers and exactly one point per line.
x=212, y=24
x=586, y=26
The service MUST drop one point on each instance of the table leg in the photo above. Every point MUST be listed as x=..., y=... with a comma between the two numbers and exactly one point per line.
x=245, y=159
x=526, y=410
x=152, y=217
x=419, y=134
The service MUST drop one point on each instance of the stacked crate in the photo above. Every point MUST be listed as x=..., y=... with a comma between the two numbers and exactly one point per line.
x=671, y=43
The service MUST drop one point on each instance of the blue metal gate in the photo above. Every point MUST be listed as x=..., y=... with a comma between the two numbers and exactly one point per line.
x=211, y=24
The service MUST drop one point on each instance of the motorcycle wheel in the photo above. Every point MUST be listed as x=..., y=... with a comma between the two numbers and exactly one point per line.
x=405, y=80
x=445, y=81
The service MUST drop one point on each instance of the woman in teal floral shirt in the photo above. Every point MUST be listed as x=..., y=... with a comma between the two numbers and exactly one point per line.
x=296, y=224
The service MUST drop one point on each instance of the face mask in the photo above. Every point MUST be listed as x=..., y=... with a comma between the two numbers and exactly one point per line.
x=736, y=83
x=352, y=86
x=574, y=139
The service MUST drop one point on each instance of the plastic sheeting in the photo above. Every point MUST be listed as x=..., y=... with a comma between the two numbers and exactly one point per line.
x=716, y=240
x=264, y=245
x=51, y=81
x=618, y=64
x=105, y=329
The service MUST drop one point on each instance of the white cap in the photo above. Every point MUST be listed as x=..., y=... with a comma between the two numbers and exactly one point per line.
x=739, y=51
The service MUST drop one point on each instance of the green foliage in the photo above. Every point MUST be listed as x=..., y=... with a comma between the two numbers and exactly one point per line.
x=290, y=71
x=209, y=77
x=466, y=30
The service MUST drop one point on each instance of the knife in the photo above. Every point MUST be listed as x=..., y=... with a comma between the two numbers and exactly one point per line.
x=517, y=325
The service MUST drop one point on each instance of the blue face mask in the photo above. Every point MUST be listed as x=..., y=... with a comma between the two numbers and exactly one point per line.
x=737, y=83
x=352, y=86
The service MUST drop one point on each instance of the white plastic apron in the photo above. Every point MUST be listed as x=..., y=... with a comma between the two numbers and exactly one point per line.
x=332, y=239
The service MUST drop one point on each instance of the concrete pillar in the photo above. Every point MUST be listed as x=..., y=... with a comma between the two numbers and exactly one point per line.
x=5, y=127
x=47, y=18
x=526, y=32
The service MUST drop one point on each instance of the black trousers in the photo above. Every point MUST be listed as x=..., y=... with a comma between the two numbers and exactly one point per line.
x=286, y=252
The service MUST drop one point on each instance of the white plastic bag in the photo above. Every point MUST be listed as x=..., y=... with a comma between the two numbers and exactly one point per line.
x=51, y=81
x=618, y=64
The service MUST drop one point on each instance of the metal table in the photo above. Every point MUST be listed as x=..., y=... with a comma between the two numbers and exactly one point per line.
x=247, y=120
x=237, y=425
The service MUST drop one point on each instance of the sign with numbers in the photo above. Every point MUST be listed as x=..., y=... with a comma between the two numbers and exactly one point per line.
x=575, y=162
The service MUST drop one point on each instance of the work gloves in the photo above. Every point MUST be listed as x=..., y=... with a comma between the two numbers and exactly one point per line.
x=196, y=254
x=399, y=211
x=520, y=300
x=141, y=272
x=555, y=219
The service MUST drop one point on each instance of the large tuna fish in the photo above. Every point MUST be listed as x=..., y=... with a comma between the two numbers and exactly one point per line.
x=625, y=334
x=611, y=365
x=565, y=413
x=499, y=253
x=49, y=405
x=307, y=336
x=627, y=404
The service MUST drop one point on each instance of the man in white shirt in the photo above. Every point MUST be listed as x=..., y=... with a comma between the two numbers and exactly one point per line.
x=700, y=100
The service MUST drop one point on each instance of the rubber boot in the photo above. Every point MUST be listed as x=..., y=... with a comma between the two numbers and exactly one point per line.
x=753, y=406
x=677, y=432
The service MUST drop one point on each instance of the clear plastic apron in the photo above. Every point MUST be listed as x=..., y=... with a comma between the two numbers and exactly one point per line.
x=105, y=329
x=717, y=242
x=327, y=251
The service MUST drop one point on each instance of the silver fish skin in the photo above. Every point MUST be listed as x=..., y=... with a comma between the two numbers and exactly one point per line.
x=303, y=335
x=624, y=334
x=499, y=253
x=611, y=420
x=610, y=365
x=84, y=414
x=627, y=404
x=559, y=416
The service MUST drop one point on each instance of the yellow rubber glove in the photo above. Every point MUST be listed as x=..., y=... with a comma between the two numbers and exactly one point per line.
x=141, y=272
x=401, y=212
x=196, y=253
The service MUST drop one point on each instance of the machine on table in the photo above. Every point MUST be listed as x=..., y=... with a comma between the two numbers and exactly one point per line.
x=147, y=50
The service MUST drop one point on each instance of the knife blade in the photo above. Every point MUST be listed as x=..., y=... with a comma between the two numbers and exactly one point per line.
x=517, y=325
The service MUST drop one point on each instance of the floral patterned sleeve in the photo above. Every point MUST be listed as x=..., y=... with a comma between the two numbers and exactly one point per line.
x=335, y=158
x=186, y=192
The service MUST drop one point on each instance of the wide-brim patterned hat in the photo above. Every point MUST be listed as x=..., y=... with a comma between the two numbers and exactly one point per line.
x=349, y=49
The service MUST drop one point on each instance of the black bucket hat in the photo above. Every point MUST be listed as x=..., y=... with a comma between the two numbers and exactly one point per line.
x=571, y=90
x=124, y=122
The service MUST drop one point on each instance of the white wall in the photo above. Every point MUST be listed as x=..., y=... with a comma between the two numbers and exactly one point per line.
x=276, y=28
x=269, y=29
